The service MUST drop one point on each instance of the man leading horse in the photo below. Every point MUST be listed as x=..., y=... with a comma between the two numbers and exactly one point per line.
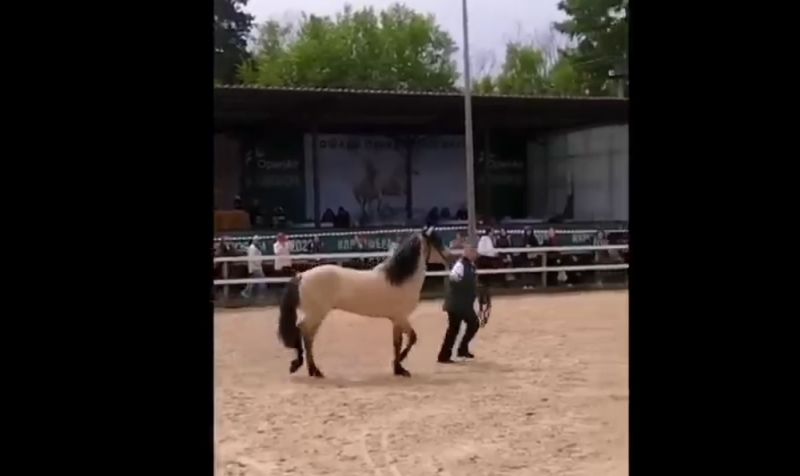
x=462, y=290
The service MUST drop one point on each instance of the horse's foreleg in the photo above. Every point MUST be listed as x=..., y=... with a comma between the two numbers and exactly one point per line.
x=397, y=337
x=309, y=331
x=412, y=339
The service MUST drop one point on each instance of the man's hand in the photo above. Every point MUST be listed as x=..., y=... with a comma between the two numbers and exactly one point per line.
x=483, y=316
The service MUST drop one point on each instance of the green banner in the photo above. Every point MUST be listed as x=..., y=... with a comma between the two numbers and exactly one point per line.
x=379, y=241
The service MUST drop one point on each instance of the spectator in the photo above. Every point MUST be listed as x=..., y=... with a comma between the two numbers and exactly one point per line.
x=255, y=269
x=486, y=245
x=553, y=257
x=394, y=243
x=283, y=250
x=359, y=246
x=532, y=260
x=278, y=217
x=433, y=216
x=458, y=242
x=461, y=214
x=315, y=245
x=328, y=217
x=503, y=241
x=256, y=214
x=445, y=214
x=529, y=239
x=487, y=258
x=237, y=203
x=342, y=218
x=604, y=256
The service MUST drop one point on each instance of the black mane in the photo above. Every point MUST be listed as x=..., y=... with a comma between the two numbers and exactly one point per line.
x=403, y=263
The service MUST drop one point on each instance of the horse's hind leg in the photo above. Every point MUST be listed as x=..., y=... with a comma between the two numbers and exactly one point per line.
x=309, y=330
x=399, y=355
x=298, y=362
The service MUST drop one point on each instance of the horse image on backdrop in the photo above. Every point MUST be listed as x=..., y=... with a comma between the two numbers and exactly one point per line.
x=390, y=290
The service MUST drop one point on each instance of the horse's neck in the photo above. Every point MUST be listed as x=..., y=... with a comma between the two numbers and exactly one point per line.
x=418, y=278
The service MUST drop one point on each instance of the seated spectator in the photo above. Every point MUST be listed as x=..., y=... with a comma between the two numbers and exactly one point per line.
x=342, y=218
x=461, y=214
x=328, y=217
x=237, y=203
x=504, y=241
x=529, y=239
x=433, y=216
x=283, y=251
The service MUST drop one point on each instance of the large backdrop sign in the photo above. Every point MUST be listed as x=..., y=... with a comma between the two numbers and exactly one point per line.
x=367, y=175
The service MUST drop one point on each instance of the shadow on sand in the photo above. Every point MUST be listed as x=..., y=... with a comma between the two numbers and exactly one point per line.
x=459, y=372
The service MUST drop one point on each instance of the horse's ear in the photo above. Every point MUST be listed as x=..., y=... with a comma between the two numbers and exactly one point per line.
x=428, y=231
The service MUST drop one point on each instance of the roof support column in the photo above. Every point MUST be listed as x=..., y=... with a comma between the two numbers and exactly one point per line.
x=315, y=170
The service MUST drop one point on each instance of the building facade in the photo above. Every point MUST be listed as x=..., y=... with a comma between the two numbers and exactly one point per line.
x=389, y=158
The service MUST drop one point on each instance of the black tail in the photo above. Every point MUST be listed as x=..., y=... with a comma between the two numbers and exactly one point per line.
x=288, y=331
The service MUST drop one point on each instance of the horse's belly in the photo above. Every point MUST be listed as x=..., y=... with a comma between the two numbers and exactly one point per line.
x=378, y=301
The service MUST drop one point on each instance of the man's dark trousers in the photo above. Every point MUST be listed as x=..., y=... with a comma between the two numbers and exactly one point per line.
x=454, y=320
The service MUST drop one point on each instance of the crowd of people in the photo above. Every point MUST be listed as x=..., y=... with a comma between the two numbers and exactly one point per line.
x=488, y=252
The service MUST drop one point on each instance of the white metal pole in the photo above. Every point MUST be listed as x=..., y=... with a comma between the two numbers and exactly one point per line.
x=470, y=161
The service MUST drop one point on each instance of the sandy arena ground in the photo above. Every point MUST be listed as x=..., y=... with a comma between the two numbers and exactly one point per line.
x=547, y=394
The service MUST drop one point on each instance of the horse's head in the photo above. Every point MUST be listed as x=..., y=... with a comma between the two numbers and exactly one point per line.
x=434, y=248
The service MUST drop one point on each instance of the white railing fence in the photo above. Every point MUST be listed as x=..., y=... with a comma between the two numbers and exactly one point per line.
x=342, y=257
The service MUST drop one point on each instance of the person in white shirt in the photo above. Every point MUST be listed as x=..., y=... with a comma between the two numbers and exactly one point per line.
x=394, y=243
x=283, y=250
x=255, y=268
x=486, y=246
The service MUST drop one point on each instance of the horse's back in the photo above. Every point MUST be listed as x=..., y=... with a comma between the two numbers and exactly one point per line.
x=364, y=292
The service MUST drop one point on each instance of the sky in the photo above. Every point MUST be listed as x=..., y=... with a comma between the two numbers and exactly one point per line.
x=492, y=23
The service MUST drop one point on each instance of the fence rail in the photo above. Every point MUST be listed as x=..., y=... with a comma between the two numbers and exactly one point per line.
x=382, y=254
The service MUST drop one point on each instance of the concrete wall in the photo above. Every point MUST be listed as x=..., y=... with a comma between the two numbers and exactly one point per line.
x=594, y=160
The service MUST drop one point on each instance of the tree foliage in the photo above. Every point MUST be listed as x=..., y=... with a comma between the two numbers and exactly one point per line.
x=396, y=49
x=533, y=68
x=231, y=29
x=599, y=29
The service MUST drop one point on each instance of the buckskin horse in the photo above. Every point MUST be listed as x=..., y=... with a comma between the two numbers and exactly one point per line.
x=390, y=290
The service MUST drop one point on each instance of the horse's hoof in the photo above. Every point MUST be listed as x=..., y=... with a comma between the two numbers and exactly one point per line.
x=316, y=373
x=296, y=364
x=402, y=372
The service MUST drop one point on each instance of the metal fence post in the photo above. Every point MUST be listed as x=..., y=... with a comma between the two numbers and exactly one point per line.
x=225, y=291
x=544, y=273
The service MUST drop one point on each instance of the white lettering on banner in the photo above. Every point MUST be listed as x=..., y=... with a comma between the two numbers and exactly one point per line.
x=279, y=181
x=287, y=164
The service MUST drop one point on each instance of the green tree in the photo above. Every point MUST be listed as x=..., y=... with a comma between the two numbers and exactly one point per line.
x=397, y=48
x=524, y=71
x=599, y=29
x=231, y=28
x=565, y=79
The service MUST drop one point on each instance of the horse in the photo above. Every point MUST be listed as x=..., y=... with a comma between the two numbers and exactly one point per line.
x=390, y=290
